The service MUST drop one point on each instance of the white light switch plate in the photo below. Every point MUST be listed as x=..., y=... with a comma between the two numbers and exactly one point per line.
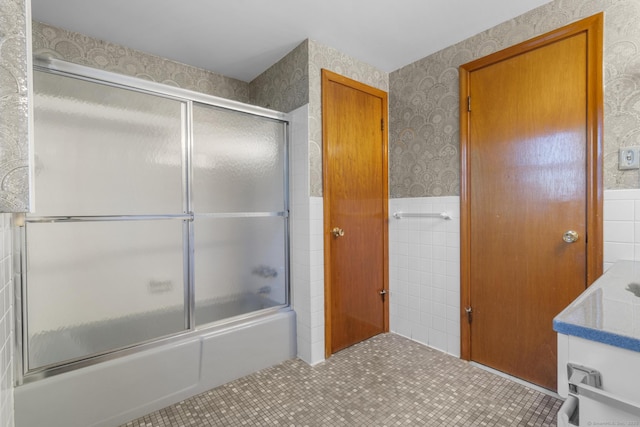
x=629, y=158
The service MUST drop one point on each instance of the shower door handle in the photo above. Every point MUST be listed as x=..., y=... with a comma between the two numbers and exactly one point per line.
x=337, y=232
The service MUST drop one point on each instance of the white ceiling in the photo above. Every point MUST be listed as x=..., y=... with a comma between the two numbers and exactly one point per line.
x=242, y=38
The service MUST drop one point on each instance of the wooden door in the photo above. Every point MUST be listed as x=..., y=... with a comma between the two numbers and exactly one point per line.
x=531, y=173
x=355, y=203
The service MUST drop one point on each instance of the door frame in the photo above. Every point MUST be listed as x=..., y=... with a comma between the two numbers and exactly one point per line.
x=327, y=77
x=592, y=27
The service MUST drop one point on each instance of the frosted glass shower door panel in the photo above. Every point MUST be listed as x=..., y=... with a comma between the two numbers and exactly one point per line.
x=239, y=266
x=104, y=150
x=94, y=287
x=238, y=162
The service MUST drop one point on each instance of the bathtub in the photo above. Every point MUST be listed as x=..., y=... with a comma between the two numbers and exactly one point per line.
x=132, y=259
x=116, y=391
x=53, y=346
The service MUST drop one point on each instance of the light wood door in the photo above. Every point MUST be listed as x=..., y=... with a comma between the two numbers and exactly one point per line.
x=531, y=163
x=355, y=203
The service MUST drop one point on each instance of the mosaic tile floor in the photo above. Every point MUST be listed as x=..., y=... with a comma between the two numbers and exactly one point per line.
x=387, y=380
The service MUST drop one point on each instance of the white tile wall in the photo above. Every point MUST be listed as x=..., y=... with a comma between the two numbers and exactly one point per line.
x=307, y=257
x=424, y=272
x=424, y=263
x=316, y=258
x=6, y=323
x=621, y=226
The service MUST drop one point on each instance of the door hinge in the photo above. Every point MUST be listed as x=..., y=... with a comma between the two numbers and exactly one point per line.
x=469, y=103
x=382, y=124
x=469, y=311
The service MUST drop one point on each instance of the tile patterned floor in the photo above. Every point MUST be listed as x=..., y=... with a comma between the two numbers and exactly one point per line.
x=385, y=381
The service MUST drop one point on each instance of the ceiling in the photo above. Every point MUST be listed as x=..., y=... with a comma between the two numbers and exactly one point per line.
x=242, y=38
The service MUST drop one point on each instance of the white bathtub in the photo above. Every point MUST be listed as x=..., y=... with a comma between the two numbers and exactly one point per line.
x=114, y=392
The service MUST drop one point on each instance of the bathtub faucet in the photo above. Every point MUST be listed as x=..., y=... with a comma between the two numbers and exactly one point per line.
x=265, y=290
x=265, y=271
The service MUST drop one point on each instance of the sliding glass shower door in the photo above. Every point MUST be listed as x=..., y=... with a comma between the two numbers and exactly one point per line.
x=240, y=213
x=108, y=179
x=154, y=214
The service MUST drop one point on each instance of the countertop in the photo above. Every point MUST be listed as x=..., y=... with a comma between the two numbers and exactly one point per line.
x=608, y=311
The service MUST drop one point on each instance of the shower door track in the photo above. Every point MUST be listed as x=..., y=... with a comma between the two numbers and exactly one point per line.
x=23, y=374
x=105, y=218
x=81, y=72
x=188, y=217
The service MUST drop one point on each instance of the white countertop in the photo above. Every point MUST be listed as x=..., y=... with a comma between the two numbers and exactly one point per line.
x=608, y=311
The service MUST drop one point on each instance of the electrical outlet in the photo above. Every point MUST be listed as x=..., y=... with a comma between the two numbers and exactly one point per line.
x=629, y=158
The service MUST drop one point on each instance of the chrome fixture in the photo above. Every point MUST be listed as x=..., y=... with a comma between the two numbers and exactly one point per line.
x=443, y=215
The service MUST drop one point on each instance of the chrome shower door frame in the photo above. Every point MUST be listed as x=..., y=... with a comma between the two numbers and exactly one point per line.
x=25, y=374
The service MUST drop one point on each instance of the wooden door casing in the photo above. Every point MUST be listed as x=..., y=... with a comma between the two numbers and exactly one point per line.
x=355, y=187
x=530, y=170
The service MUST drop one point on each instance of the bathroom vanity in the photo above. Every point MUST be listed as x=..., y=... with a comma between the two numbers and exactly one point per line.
x=599, y=351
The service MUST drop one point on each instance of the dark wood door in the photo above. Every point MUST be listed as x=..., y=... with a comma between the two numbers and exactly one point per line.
x=528, y=158
x=355, y=205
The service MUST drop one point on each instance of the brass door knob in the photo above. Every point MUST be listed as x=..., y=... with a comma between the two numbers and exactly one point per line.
x=337, y=232
x=570, y=236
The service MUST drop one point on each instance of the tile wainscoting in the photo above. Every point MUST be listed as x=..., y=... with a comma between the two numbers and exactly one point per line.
x=424, y=272
x=424, y=263
x=621, y=226
x=307, y=245
x=6, y=322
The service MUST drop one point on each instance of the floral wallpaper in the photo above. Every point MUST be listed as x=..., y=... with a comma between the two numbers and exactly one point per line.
x=424, y=127
x=14, y=105
x=80, y=49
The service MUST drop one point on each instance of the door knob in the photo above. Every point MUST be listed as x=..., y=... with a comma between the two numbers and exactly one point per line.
x=570, y=236
x=337, y=232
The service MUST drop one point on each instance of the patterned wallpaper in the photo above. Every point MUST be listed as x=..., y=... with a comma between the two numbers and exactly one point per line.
x=14, y=119
x=423, y=99
x=423, y=96
x=285, y=85
x=84, y=50
x=296, y=80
